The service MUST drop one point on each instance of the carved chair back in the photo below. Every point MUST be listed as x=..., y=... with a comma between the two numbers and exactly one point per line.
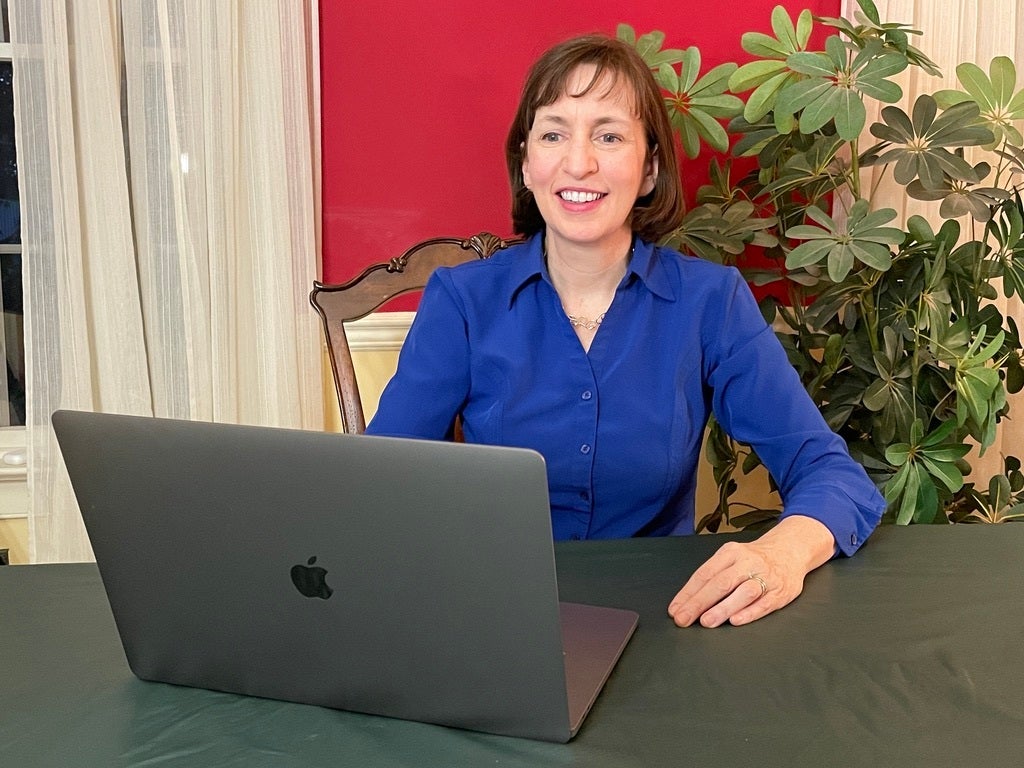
x=343, y=302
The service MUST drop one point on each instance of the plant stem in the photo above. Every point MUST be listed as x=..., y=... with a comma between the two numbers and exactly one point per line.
x=915, y=365
x=870, y=316
x=854, y=168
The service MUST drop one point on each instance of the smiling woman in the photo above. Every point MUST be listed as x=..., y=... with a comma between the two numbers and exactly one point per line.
x=605, y=352
x=586, y=162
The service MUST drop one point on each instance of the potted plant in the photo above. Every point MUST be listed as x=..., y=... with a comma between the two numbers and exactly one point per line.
x=889, y=323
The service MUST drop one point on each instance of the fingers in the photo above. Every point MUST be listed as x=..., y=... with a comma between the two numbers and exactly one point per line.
x=711, y=583
x=739, y=584
x=743, y=582
x=731, y=595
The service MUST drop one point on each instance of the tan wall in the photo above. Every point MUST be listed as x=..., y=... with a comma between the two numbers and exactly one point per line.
x=13, y=496
x=14, y=537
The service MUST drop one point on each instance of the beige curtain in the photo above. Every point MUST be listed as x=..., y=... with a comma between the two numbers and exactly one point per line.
x=169, y=158
x=955, y=31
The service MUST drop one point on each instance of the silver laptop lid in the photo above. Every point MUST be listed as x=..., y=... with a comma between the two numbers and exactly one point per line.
x=405, y=578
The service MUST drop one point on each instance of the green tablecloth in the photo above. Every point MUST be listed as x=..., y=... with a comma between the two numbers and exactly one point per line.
x=909, y=654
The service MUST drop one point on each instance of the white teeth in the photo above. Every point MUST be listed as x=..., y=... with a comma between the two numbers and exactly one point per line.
x=573, y=196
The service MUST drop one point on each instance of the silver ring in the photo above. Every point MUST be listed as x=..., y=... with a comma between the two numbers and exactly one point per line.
x=760, y=580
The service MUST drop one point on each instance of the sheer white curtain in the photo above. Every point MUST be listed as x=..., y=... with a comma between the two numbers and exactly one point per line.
x=169, y=171
x=956, y=31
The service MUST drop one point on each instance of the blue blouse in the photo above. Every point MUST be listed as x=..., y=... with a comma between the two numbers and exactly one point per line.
x=621, y=427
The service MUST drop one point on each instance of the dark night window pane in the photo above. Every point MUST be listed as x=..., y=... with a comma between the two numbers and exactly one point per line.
x=10, y=252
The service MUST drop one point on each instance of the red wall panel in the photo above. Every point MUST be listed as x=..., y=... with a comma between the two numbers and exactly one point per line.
x=418, y=94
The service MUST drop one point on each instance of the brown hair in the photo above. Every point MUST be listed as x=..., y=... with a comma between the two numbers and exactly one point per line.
x=655, y=214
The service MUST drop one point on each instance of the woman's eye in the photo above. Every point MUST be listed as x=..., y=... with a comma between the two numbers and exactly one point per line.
x=609, y=138
x=550, y=137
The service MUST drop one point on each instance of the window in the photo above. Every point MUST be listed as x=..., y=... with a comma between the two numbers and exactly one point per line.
x=13, y=494
x=12, y=346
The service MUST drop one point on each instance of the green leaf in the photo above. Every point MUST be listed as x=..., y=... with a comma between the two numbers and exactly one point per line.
x=783, y=28
x=1016, y=104
x=897, y=483
x=710, y=130
x=754, y=73
x=722, y=106
x=649, y=44
x=811, y=64
x=869, y=10
x=885, y=91
x=850, y=114
x=876, y=68
x=823, y=109
x=947, y=98
x=919, y=229
x=689, y=69
x=804, y=27
x=668, y=78
x=946, y=473
x=939, y=435
x=808, y=253
x=949, y=454
x=809, y=232
x=762, y=45
x=840, y=262
x=687, y=133
x=763, y=99
x=1003, y=78
x=874, y=255
x=897, y=454
x=715, y=81
x=977, y=84
x=927, y=500
x=876, y=397
x=910, y=493
x=626, y=33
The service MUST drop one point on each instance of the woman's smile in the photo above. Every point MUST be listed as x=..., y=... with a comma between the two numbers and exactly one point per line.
x=576, y=196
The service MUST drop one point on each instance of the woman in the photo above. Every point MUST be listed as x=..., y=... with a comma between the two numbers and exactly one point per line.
x=606, y=353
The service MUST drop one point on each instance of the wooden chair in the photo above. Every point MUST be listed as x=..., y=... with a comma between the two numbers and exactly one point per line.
x=378, y=284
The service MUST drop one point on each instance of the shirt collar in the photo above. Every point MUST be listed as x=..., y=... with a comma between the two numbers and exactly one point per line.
x=526, y=266
x=649, y=267
x=646, y=266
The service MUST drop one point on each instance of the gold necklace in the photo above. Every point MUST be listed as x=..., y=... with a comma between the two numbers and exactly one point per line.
x=578, y=321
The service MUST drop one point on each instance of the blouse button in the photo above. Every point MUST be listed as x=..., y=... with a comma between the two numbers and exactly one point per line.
x=587, y=394
x=584, y=448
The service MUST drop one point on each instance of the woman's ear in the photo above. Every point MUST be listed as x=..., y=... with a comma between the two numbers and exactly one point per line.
x=526, y=165
x=651, y=177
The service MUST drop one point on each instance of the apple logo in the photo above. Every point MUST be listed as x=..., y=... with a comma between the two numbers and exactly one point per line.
x=310, y=580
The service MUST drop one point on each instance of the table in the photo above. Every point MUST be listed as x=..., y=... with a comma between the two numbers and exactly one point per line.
x=909, y=654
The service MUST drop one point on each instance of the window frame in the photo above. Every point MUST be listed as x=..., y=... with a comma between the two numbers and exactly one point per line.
x=13, y=439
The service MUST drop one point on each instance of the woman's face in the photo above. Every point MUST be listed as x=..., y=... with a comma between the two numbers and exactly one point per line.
x=586, y=162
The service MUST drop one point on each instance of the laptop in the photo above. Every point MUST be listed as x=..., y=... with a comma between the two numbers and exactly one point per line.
x=405, y=578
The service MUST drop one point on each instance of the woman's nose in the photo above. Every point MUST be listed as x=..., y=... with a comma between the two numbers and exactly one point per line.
x=580, y=158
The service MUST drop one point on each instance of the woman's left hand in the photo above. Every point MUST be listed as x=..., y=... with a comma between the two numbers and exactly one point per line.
x=743, y=582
